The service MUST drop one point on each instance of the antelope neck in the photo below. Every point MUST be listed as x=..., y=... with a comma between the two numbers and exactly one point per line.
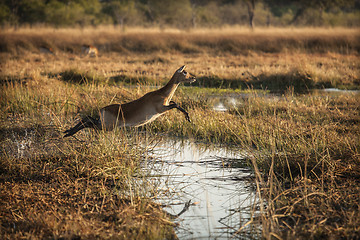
x=170, y=88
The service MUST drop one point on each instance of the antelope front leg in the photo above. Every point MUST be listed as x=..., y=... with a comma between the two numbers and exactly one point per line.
x=174, y=105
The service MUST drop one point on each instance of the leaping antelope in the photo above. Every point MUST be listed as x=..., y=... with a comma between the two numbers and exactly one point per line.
x=89, y=50
x=138, y=112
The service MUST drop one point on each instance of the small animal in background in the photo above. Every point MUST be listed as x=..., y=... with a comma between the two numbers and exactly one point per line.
x=89, y=50
x=46, y=50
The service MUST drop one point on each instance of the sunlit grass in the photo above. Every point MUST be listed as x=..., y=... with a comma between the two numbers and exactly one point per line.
x=306, y=146
x=265, y=59
x=53, y=187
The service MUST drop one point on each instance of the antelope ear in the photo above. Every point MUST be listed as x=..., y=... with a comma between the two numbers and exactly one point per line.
x=181, y=69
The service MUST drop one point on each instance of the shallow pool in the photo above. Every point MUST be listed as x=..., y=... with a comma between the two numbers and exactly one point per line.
x=216, y=182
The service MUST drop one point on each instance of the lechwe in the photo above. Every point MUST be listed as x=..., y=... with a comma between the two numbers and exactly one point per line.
x=89, y=50
x=139, y=112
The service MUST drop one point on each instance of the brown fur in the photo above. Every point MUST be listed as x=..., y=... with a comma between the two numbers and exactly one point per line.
x=145, y=109
x=140, y=111
x=89, y=50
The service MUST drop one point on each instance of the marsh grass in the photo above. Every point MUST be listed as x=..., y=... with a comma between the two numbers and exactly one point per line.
x=304, y=148
x=81, y=194
x=91, y=186
x=273, y=59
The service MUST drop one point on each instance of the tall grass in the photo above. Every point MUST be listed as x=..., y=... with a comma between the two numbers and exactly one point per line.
x=273, y=59
x=303, y=147
x=234, y=40
x=306, y=149
x=88, y=187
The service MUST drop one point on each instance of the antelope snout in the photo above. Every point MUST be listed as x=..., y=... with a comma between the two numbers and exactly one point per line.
x=192, y=79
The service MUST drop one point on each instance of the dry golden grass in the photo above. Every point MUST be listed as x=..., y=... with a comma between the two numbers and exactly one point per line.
x=306, y=148
x=61, y=188
x=90, y=187
x=309, y=144
x=267, y=58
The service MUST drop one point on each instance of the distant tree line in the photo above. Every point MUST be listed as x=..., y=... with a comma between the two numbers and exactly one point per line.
x=180, y=13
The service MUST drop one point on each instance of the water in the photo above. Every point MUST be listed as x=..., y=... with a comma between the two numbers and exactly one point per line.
x=215, y=180
x=337, y=90
x=223, y=103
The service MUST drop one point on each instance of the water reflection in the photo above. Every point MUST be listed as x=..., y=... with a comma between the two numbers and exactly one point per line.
x=215, y=180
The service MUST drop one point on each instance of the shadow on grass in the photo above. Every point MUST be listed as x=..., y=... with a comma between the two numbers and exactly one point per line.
x=4, y=80
x=277, y=83
x=131, y=80
x=77, y=77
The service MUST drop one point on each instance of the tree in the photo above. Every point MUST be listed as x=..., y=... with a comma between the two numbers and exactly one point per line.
x=250, y=5
x=31, y=11
x=5, y=13
x=301, y=7
x=169, y=12
x=92, y=12
x=120, y=11
x=251, y=8
x=203, y=10
x=66, y=13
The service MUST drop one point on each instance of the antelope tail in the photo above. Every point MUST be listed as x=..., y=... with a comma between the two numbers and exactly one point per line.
x=86, y=122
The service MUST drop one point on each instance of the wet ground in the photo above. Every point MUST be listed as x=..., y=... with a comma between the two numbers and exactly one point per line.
x=215, y=180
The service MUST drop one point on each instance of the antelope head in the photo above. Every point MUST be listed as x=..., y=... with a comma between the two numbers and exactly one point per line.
x=181, y=76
